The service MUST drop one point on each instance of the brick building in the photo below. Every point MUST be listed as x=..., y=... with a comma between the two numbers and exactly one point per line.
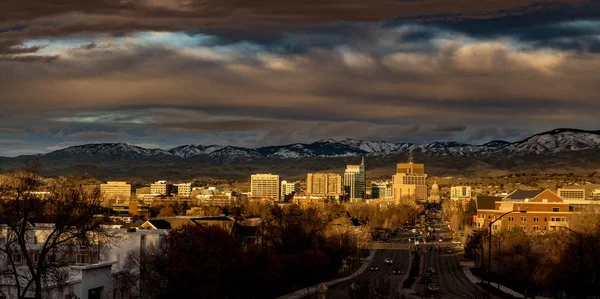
x=544, y=210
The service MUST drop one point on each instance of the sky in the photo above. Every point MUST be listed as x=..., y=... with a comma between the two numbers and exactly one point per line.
x=163, y=73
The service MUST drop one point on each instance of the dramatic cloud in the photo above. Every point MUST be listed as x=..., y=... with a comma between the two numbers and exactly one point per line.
x=164, y=73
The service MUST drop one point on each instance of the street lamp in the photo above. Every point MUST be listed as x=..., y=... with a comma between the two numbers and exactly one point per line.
x=490, y=241
x=498, y=266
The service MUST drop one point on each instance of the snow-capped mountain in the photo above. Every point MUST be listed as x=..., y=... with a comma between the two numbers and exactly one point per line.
x=555, y=141
x=109, y=150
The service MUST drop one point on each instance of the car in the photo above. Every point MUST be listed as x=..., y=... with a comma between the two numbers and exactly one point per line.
x=375, y=268
x=428, y=274
x=449, y=251
x=410, y=239
x=433, y=288
x=430, y=270
x=388, y=260
x=441, y=240
x=396, y=271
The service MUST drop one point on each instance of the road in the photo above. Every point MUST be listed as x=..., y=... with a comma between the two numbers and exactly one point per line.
x=449, y=275
x=397, y=250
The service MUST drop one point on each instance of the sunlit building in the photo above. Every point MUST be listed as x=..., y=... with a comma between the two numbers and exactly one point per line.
x=355, y=182
x=183, y=190
x=264, y=186
x=572, y=194
x=409, y=182
x=324, y=184
x=288, y=188
x=161, y=187
x=115, y=190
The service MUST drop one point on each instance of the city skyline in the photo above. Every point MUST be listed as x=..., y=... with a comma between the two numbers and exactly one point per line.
x=165, y=73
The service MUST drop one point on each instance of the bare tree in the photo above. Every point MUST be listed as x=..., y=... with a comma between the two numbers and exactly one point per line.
x=42, y=233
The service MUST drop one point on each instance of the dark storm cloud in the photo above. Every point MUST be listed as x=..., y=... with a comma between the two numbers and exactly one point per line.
x=253, y=73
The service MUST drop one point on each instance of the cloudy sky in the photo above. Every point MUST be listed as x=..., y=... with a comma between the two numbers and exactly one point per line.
x=161, y=73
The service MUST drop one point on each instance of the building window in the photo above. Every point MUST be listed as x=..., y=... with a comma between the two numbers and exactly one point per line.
x=81, y=258
x=511, y=218
x=536, y=219
x=535, y=227
x=545, y=219
x=17, y=258
x=523, y=218
x=555, y=209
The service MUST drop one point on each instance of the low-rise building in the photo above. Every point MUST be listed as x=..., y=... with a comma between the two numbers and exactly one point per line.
x=537, y=210
x=161, y=187
x=131, y=208
x=183, y=190
x=571, y=194
x=460, y=194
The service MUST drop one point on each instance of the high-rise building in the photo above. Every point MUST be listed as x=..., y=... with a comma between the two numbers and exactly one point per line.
x=571, y=194
x=410, y=182
x=324, y=184
x=183, y=190
x=355, y=182
x=161, y=187
x=265, y=186
x=116, y=190
x=288, y=188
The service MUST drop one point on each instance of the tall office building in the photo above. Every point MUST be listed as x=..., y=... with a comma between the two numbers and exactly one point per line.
x=116, y=190
x=355, y=182
x=161, y=187
x=265, y=186
x=288, y=188
x=324, y=184
x=410, y=182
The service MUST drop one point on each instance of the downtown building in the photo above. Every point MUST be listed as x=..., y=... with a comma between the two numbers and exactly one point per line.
x=327, y=185
x=409, y=182
x=264, y=186
x=460, y=194
x=355, y=182
x=113, y=190
x=288, y=188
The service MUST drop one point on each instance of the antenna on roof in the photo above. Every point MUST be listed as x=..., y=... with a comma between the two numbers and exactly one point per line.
x=410, y=158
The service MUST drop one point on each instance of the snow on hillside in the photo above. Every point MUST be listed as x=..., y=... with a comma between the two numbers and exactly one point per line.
x=559, y=140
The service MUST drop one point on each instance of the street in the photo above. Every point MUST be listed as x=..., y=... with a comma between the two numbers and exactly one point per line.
x=397, y=251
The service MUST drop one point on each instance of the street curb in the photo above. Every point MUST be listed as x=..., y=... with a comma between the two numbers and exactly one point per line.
x=309, y=290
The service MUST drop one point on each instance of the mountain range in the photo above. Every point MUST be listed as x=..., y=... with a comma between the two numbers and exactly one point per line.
x=550, y=148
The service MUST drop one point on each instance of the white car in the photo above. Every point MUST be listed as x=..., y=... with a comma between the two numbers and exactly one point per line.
x=441, y=240
x=388, y=260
